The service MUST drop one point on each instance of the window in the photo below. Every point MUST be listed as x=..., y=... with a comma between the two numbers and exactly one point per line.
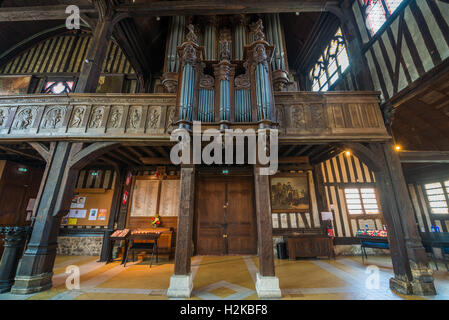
x=361, y=201
x=377, y=12
x=437, y=196
x=330, y=65
x=58, y=87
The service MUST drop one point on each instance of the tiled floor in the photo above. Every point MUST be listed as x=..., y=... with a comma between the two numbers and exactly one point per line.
x=231, y=278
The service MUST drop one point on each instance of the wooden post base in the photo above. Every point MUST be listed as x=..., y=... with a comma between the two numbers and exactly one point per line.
x=32, y=284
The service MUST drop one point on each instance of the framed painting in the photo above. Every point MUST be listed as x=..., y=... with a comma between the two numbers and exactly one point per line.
x=10, y=85
x=289, y=193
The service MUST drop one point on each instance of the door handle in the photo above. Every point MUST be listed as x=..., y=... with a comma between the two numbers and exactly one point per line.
x=225, y=236
x=225, y=205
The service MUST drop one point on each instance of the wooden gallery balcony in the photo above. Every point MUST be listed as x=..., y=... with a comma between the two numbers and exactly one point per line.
x=301, y=117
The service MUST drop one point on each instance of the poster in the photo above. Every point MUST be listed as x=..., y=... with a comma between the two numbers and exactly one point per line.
x=93, y=213
x=144, y=198
x=102, y=214
x=327, y=216
x=80, y=214
x=78, y=202
x=169, y=202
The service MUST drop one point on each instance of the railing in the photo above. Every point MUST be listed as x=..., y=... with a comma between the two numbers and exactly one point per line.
x=302, y=116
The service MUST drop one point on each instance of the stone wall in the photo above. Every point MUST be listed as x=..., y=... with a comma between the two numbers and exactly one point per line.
x=80, y=246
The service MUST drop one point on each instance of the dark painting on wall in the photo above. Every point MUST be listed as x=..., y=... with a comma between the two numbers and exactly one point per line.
x=110, y=84
x=290, y=193
x=14, y=85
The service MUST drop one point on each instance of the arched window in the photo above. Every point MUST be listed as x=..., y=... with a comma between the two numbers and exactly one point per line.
x=377, y=12
x=331, y=64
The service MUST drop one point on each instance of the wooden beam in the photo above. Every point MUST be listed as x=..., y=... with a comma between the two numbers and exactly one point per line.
x=39, y=13
x=294, y=160
x=424, y=156
x=214, y=7
x=151, y=161
x=24, y=154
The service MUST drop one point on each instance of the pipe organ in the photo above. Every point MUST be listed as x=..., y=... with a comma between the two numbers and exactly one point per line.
x=221, y=78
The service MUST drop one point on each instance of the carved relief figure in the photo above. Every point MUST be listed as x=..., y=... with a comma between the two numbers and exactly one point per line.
x=135, y=118
x=77, y=117
x=53, y=118
x=189, y=54
x=153, y=118
x=24, y=119
x=298, y=120
x=170, y=117
x=280, y=116
x=191, y=36
x=116, y=116
x=242, y=81
x=317, y=115
x=225, y=53
x=257, y=29
x=95, y=122
x=3, y=116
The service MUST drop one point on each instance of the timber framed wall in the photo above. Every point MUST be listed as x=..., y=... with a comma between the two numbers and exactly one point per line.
x=63, y=56
x=414, y=41
x=347, y=171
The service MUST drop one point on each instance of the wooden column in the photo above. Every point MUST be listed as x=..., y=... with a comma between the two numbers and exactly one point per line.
x=90, y=73
x=359, y=65
x=318, y=180
x=106, y=249
x=185, y=221
x=36, y=266
x=410, y=262
x=264, y=224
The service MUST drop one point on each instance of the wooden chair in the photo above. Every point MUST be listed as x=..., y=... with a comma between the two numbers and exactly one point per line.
x=146, y=236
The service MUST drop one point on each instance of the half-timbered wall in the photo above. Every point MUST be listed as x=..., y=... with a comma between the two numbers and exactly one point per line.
x=420, y=200
x=63, y=56
x=342, y=172
x=411, y=43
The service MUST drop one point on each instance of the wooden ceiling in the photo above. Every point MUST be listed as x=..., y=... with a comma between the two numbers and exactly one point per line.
x=421, y=121
x=141, y=155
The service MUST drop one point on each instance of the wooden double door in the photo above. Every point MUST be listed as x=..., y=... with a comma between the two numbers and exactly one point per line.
x=226, y=220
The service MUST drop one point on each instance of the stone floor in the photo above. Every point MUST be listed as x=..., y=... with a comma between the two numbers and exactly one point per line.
x=231, y=278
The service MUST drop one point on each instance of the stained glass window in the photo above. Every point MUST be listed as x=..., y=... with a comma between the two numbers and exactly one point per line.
x=331, y=64
x=58, y=87
x=377, y=12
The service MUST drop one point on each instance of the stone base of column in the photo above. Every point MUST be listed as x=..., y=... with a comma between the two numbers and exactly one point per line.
x=268, y=287
x=180, y=286
x=5, y=285
x=32, y=284
x=401, y=286
x=423, y=288
x=416, y=287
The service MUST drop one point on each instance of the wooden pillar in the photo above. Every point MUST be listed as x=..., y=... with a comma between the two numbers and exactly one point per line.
x=36, y=266
x=185, y=221
x=106, y=248
x=181, y=283
x=90, y=73
x=359, y=65
x=410, y=262
x=264, y=224
x=267, y=284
